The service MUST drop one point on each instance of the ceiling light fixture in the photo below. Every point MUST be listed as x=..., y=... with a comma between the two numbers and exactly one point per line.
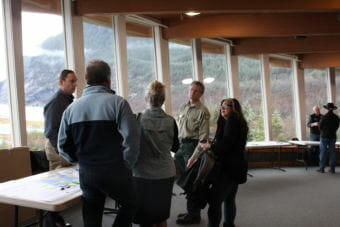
x=208, y=80
x=192, y=13
x=187, y=81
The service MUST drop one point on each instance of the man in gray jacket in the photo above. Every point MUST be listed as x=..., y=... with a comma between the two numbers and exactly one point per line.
x=101, y=134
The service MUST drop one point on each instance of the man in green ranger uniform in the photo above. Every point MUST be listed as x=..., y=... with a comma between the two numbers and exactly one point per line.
x=193, y=126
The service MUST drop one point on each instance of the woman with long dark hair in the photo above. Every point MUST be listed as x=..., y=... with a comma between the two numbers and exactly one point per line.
x=228, y=145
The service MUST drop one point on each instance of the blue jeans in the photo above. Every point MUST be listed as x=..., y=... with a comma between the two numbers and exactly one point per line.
x=99, y=182
x=223, y=189
x=327, y=147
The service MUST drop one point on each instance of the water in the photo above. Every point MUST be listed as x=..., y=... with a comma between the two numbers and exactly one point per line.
x=33, y=113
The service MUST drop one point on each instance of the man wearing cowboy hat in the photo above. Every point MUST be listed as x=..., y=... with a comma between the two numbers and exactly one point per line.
x=329, y=124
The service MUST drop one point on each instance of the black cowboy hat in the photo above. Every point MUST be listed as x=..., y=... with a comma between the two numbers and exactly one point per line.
x=330, y=106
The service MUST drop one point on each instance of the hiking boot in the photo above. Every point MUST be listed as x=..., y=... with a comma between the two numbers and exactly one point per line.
x=321, y=170
x=331, y=170
x=188, y=220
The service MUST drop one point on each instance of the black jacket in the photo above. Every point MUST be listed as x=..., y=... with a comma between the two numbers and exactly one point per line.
x=229, y=146
x=53, y=111
x=329, y=124
x=314, y=118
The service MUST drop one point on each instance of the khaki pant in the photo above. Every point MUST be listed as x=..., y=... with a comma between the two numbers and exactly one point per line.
x=54, y=159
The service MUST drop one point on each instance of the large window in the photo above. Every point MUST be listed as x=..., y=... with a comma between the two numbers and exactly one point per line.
x=181, y=71
x=141, y=62
x=99, y=42
x=251, y=95
x=44, y=58
x=5, y=123
x=316, y=89
x=283, y=118
x=337, y=80
x=215, y=78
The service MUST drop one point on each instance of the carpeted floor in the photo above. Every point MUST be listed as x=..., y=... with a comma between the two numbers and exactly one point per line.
x=271, y=198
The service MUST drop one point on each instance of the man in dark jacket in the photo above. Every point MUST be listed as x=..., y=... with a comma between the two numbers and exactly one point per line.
x=313, y=124
x=329, y=124
x=101, y=134
x=53, y=112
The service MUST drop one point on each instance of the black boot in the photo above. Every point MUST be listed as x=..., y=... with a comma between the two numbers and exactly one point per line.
x=226, y=225
x=331, y=170
x=188, y=219
x=321, y=170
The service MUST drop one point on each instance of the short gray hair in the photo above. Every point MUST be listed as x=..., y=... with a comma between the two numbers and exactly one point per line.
x=98, y=72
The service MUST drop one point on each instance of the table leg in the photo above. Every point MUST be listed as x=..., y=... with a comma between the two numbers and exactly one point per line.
x=279, y=161
x=16, y=216
x=301, y=151
x=41, y=218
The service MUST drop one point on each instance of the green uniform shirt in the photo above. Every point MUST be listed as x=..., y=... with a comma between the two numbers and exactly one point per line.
x=193, y=121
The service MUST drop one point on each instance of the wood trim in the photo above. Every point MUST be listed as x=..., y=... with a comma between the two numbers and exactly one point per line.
x=278, y=62
x=180, y=6
x=273, y=149
x=271, y=164
x=255, y=25
x=212, y=48
x=323, y=60
x=288, y=45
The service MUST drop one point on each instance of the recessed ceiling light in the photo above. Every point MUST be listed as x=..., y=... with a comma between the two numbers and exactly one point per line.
x=192, y=13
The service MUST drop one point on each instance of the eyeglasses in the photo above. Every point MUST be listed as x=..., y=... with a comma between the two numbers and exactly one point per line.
x=224, y=106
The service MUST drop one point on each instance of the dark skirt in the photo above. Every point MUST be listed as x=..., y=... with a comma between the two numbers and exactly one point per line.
x=154, y=200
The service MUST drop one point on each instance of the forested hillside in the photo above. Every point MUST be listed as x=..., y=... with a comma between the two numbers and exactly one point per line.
x=41, y=78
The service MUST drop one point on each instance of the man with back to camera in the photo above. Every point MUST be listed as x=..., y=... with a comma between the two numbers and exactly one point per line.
x=193, y=127
x=53, y=112
x=329, y=124
x=101, y=134
x=313, y=124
